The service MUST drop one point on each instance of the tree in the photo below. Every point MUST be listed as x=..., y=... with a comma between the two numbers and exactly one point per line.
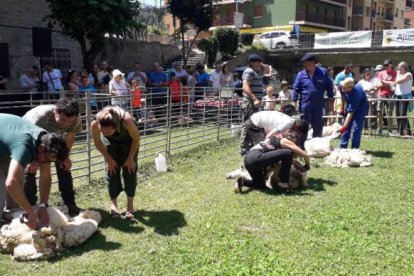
x=228, y=41
x=90, y=22
x=198, y=13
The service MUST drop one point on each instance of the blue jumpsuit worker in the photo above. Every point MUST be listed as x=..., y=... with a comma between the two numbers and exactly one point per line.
x=309, y=88
x=357, y=106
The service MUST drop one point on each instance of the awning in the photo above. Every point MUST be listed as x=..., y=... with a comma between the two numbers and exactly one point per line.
x=303, y=28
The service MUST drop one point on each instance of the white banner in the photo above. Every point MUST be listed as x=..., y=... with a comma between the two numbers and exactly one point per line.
x=397, y=38
x=361, y=39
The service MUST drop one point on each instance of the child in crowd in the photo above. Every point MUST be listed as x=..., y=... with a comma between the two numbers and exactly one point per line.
x=269, y=101
x=285, y=95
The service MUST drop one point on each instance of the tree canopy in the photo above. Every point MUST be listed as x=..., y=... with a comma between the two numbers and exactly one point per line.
x=197, y=13
x=90, y=21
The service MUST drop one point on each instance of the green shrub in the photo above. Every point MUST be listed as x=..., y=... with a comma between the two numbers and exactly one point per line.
x=228, y=40
x=210, y=47
x=247, y=39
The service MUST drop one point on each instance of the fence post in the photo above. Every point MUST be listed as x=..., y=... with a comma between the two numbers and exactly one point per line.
x=88, y=115
x=168, y=122
x=218, y=115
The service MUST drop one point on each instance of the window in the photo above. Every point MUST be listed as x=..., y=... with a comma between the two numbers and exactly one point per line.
x=317, y=10
x=4, y=60
x=60, y=59
x=396, y=12
x=258, y=11
x=367, y=11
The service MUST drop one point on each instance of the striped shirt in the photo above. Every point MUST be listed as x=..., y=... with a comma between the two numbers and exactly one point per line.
x=255, y=80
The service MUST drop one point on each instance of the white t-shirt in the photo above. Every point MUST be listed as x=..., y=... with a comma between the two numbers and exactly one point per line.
x=404, y=88
x=53, y=80
x=272, y=120
x=216, y=78
x=138, y=77
x=367, y=86
x=25, y=82
x=285, y=96
x=269, y=102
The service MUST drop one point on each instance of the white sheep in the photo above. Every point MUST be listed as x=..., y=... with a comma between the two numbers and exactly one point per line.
x=348, y=158
x=318, y=146
x=331, y=130
x=27, y=244
x=297, y=179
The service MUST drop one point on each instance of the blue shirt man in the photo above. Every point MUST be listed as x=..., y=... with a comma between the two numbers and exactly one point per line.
x=347, y=72
x=357, y=107
x=309, y=88
x=86, y=87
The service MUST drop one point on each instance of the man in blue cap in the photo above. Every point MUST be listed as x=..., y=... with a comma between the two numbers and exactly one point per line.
x=253, y=89
x=309, y=88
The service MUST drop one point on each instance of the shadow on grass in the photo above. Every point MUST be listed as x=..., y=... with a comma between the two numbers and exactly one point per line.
x=314, y=184
x=121, y=224
x=96, y=242
x=381, y=153
x=164, y=223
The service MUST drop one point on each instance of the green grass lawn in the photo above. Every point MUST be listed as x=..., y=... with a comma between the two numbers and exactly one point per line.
x=189, y=221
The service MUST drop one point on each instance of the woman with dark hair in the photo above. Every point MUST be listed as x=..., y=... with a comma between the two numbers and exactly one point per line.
x=228, y=76
x=73, y=83
x=117, y=138
x=269, y=152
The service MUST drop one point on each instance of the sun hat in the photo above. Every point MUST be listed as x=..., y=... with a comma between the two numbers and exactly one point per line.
x=347, y=82
x=116, y=73
x=379, y=67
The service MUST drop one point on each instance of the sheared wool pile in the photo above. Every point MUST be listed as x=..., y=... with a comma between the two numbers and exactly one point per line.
x=348, y=158
x=63, y=232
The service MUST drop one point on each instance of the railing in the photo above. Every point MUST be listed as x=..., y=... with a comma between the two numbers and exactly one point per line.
x=320, y=19
x=387, y=17
x=358, y=10
x=337, y=1
x=225, y=21
x=407, y=21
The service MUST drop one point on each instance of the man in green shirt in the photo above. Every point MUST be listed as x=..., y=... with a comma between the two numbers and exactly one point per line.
x=23, y=144
x=63, y=118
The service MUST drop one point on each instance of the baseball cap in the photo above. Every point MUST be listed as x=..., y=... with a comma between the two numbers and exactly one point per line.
x=387, y=61
x=308, y=57
x=379, y=67
x=254, y=58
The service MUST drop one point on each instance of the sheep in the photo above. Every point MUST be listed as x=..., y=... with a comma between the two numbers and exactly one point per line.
x=348, y=158
x=297, y=179
x=331, y=130
x=318, y=146
x=62, y=232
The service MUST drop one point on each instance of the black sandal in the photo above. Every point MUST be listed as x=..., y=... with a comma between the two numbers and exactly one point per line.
x=114, y=214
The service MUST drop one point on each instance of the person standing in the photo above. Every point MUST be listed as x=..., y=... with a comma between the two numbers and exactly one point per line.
x=119, y=89
x=356, y=109
x=53, y=78
x=216, y=79
x=309, y=89
x=117, y=138
x=158, y=80
x=346, y=73
x=386, y=79
x=228, y=75
x=62, y=118
x=253, y=89
x=370, y=87
x=24, y=144
x=403, y=83
x=138, y=75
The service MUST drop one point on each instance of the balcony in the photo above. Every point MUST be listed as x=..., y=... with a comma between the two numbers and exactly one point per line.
x=407, y=22
x=408, y=5
x=225, y=2
x=229, y=21
x=319, y=19
x=387, y=18
x=387, y=2
x=373, y=13
x=358, y=10
x=342, y=2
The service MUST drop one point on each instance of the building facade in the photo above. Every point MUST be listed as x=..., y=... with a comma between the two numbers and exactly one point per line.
x=257, y=16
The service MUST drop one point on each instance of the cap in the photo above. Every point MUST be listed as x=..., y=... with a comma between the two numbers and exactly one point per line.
x=379, y=67
x=254, y=58
x=117, y=72
x=347, y=82
x=387, y=61
x=308, y=57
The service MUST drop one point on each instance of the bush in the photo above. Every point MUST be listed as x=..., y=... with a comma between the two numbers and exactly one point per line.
x=228, y=40
x=247, y=39
x=210, y=47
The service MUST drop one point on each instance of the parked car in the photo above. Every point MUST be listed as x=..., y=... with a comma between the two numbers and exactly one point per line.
x=276, y=39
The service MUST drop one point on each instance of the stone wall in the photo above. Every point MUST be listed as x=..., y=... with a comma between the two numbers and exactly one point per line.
x=18, y=17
